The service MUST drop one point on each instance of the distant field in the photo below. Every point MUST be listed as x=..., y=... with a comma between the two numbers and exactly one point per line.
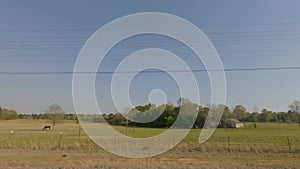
x=270, y=145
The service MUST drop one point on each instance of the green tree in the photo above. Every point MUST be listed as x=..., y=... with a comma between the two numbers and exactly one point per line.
x=55, y=113
x=188, y=112
x=145, y=107
x=12, y=115
x=226, y=113
x=266, y=115
x=282, y=117
x=202, y=115
x=295, y=108
x=1, y=113
x=143, y=112
x=169, y=121
x=118, y=119
x=254, y=117
x=239, y=112
x=169, y=114
x=6, y=114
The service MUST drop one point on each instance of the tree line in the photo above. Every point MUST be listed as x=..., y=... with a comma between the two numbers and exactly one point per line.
x=6, y=114
x=165, y=115
x=46, y=116
x=170, y=113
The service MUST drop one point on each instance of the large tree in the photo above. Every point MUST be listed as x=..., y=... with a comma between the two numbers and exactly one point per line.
x=239, y=112
x=55, y=113
x=266, y=115
x=6, y=114
x=226, y=113
x=295, y=108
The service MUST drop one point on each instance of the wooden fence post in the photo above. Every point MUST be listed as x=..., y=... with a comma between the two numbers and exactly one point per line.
x=59, y=140
x=289, y=142
x=79, y=132
x=10, y=134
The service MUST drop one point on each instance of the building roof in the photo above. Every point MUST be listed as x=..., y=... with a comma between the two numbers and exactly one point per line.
x=232, y=121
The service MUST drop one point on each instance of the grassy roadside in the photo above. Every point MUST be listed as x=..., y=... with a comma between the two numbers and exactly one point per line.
x=264, y=147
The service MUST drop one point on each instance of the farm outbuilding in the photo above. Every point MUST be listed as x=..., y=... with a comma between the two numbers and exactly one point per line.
x=233, y=123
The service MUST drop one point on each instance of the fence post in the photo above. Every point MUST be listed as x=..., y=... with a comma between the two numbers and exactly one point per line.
x=79, y=132
x=289, y=142
x=10, y=134
x=59, y=140
x=228, y=141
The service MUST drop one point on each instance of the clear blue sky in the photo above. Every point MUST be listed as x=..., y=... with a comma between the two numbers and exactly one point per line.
x=45, y=36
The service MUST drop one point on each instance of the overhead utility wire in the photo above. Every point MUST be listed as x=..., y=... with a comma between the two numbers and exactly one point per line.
x=90, y=29
x=155, y=71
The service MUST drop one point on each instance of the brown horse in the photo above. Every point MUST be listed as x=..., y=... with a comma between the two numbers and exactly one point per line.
x=47, y=127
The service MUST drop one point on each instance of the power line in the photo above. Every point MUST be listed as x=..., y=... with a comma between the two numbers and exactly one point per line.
x=257, y=24
x=264, y=51
x=78, y=44
x=155, y=71
x=118, y=57
x=84, y=30
x=97, y=27
x=71, y=46
x=64, y=36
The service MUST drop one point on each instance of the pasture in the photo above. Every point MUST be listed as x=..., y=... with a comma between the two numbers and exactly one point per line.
x=24, y=144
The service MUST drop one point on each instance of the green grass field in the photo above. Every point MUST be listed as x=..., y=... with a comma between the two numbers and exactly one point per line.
x=270, y=145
